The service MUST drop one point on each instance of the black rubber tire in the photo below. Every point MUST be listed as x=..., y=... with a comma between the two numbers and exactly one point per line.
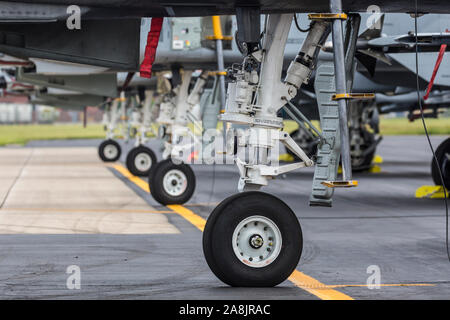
x=217, y=238
x=101, y=150
x=130, y=162
x=444, y=164
x=156, y=182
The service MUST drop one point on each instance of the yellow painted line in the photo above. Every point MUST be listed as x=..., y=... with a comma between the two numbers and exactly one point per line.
x=136, y=180
x=298, y=278
x=384, y=285
x=190, y=216
x=315, y=287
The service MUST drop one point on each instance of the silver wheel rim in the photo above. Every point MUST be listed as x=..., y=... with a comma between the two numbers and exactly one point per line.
x=110, y=151
x=257, y=241
x=143, y=162
x=175, y=182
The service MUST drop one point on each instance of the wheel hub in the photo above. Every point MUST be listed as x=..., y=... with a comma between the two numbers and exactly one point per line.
x=256, y=241
x=143, y=162
x=175, y=182
x=110, y=151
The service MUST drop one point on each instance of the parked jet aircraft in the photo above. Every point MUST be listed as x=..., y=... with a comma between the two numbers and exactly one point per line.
x=252, y=238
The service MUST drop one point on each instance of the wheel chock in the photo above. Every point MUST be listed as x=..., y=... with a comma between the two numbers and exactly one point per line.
x=374, y=169
x=377, y=159
x=430, y=192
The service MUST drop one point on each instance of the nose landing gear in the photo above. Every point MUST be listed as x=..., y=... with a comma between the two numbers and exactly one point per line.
x=109, y=151
x=140, y=161
x=171, y=183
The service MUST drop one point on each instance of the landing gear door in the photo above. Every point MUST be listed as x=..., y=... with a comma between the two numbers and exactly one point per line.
x=113, y=44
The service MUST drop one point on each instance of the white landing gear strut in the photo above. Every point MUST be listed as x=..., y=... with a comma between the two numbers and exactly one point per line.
x=254, y=99
x=172, y=181
x=109, y=150
x=141, y=158
x=244, y=233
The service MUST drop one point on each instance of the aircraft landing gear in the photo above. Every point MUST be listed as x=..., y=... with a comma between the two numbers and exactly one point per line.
x=140, y=161
x=109, y=151
x=171, y=183
x=443, y=157
x=252, y=239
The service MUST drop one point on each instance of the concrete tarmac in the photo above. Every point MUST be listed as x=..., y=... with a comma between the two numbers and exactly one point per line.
x=61, y=207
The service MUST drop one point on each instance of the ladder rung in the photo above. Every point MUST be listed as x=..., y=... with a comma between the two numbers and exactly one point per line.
x=359, y=96
x=327, y=16
x=340, y=184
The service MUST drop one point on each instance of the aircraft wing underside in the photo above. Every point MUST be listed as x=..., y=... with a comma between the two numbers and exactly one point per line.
x=55, y=9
